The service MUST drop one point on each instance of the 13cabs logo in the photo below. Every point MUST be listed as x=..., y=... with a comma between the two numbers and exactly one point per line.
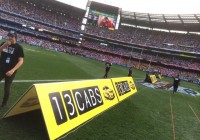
x=108, y=93
x=86, y=99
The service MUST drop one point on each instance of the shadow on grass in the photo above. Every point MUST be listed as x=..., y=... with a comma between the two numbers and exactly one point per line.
x=29, y=125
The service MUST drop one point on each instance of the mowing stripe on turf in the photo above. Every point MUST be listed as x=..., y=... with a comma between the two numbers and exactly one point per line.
x=172, y=116
x=194, y=113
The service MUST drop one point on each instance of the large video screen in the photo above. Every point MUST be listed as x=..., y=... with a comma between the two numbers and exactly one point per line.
x=102, y=19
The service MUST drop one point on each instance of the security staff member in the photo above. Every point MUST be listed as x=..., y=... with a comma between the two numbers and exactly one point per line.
x=12, y=58
x=130, y=72
x=107, y=69
x=176, y=83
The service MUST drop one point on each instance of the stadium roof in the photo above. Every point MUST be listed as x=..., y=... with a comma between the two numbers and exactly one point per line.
x=186, y=22
x=180, y=22
x=146, y=6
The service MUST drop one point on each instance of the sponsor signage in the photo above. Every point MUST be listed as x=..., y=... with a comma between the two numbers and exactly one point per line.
x=153, y=78
x=66, y=105
x=159, y=76
x=124, y=87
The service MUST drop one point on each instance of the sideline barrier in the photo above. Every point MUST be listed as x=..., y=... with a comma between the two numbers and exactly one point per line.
x=159, y=76
x=66, y=105
x=153, y=78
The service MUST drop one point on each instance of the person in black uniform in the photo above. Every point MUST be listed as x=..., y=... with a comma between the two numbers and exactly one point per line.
x=130, y=72
x=12, y=58
x=108, y=65
x=176, y=83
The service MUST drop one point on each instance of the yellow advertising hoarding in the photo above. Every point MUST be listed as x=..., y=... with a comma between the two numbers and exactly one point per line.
x=153, y=78
x=159, y=76
x=66, y=105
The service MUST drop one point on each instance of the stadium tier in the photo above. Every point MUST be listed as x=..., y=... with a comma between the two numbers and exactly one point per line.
x=59, y=28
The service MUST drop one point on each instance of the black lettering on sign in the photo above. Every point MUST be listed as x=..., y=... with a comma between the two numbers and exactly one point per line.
x=87, y=98
x=69, y=103
x=58, y=108
x=122, y=87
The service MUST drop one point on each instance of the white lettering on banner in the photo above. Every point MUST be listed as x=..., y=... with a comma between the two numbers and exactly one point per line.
x=94, y=101
x=80, y=108
x=70, y=103
x=88, y=99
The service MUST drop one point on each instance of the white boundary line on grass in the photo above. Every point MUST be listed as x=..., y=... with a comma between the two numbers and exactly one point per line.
x=32, y=81
x=56, y=80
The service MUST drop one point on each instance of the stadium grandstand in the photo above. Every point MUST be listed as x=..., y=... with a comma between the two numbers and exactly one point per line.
x=143, y=39
x=136, y=39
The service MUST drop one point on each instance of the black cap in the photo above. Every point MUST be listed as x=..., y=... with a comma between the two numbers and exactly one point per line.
x=12, y=34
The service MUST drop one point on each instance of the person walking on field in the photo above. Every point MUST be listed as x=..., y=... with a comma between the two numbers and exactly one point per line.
x=130, y=72
x=11, y=59
x=176, y=83
x=107, y=69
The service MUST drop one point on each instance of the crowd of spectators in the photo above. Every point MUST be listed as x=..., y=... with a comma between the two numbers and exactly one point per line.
x=42, y=14
x=98, y=55
x=33, y=25
x=105, y=52
x=33, y=41
x=150, y=38
x=166, y=71
x=167, y=59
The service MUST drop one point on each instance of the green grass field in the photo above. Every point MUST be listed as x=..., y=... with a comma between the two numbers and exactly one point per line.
x=144, y=116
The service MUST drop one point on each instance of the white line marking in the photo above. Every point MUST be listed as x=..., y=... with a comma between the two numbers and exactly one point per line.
x=32, y=81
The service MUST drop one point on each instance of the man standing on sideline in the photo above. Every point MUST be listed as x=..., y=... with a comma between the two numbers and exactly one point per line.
x=12, y=58
x=176, y=83
x=108, y=65
x=130, y=72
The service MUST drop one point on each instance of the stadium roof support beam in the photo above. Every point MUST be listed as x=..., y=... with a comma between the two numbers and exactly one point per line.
x=135, y=19
x=150, y=21
x=197, y=18
x=165, y=22
x=164, y=19
x=180, y=19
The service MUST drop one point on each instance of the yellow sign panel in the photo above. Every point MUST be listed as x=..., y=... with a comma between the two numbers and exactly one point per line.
x=67, y=105
x=28, y=102
x=124, y=87
x=159, y=76
x=153, y=78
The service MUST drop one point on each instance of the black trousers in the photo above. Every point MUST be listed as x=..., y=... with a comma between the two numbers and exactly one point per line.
x=106, y=74
x=7, y=85
x=175, y=88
